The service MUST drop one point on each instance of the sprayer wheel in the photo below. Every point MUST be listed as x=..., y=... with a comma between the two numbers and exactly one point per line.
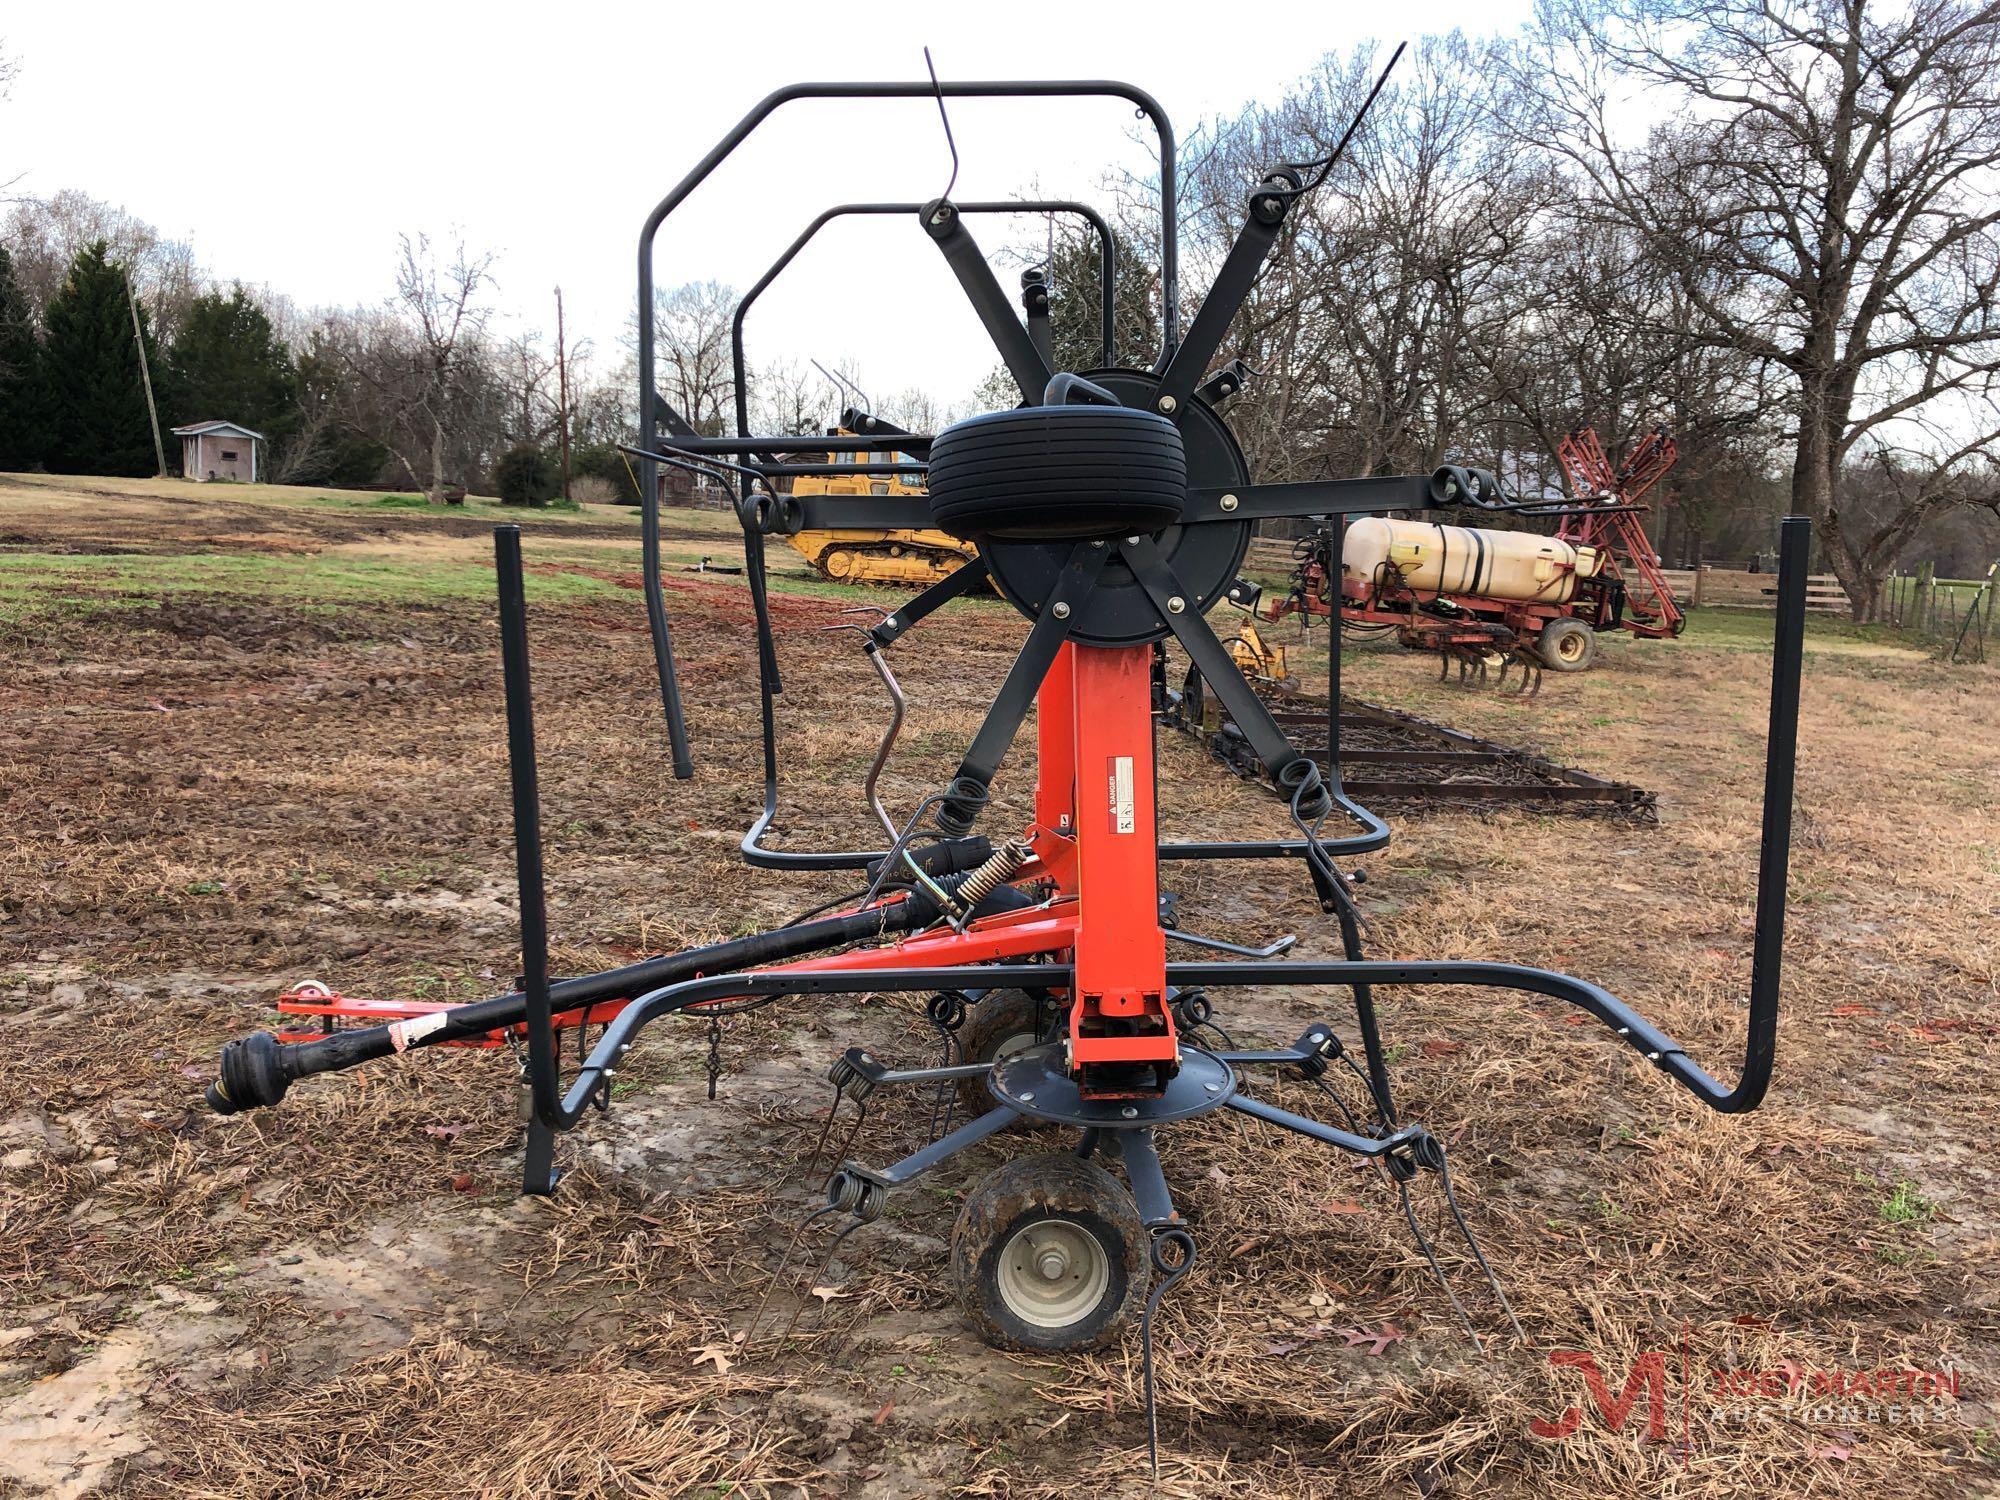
x=1049, y=1253
x=996, y=1028
x=1567, y=645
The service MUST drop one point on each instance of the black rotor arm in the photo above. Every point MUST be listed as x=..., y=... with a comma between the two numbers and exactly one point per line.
x=967, y=793
x=1217, y=667
x=1035, y=306
x=1326, y=497
x=1269, y=204
x=946, y=225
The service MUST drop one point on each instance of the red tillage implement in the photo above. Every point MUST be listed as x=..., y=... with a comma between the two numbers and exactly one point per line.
x=1484, y=597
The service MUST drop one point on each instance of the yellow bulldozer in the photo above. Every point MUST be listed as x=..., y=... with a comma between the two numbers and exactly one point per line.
x=874, y=555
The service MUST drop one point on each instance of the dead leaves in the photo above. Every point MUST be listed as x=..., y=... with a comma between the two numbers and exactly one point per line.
x=717, y=1355
x=1374, y=1342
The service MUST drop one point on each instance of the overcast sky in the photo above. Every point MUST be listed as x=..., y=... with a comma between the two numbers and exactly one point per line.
x=291, y=143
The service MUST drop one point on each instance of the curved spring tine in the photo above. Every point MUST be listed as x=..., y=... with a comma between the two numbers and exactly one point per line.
x=846, y=1144
x=1451, y=1202
x=1169, y=1274
x=784, y=1264
x=813, y=1281
x=944, y=1100
x=1424, y=1244
x=825, y=1131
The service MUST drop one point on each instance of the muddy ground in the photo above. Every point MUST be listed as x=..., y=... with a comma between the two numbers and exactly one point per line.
x=210, y=797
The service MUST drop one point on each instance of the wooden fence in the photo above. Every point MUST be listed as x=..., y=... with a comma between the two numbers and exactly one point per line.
x=1739, y=589
x=1270, y=554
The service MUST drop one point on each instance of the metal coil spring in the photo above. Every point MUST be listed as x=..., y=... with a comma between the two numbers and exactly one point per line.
x=998, y=869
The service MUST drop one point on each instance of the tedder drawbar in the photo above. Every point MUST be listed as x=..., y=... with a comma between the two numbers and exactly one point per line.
x=1112, y=509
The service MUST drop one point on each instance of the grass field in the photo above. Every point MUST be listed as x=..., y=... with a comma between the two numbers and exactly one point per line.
x=252, y=737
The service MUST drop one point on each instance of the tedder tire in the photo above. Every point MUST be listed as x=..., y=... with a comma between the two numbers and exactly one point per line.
x=996, y=1027
x=1567, y=646
x=1042, y=473
x=1049, y=1253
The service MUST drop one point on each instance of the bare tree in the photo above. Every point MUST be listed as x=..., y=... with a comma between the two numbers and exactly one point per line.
x=382, y=386
x=920, y=411
x=1366, y=324
x=1823, y=194
x=45, y=235
x=526, y=373
x=441, y=308
x=10, y=69
x=790, y=400
x=691, y=334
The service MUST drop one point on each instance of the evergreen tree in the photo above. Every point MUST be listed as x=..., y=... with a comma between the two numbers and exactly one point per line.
x=527, y=475
x=21, y=405
x=227, y=365
x=320, y=445
x=96, y=414
x=1076, y=305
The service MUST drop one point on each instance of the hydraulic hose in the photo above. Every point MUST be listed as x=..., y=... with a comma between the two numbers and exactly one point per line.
x=257, y=1070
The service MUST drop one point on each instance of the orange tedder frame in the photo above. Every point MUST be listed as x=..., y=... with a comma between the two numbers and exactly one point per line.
x=1095, y=839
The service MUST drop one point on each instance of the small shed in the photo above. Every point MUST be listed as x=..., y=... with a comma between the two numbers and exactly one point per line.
x=218, y=450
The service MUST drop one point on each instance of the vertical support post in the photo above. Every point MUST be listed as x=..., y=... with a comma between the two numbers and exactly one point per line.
x=544, y=1106
x=1055, y=746
x=1121, y=1037
x=1336, y=539
x=1332, y=898
x=649, y=516
x=539, y=1172
x=1781, y=748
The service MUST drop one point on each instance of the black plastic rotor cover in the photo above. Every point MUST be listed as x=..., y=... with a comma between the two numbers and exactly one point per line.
x=1205, y=558
x=1049, y=473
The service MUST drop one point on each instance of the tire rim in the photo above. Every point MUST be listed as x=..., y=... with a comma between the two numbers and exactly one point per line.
x=1052, y=1273
x=1570, y=645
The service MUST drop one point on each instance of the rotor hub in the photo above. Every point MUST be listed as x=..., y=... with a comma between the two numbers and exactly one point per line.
x=1205, y=558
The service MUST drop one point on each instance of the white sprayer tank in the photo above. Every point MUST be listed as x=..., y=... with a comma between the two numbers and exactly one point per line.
x=1433, y=559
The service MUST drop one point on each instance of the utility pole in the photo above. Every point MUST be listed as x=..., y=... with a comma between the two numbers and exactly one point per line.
x=146, y=379
x=562, y=392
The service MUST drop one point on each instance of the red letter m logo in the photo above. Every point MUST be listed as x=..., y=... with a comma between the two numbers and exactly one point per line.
x=1649, y=1375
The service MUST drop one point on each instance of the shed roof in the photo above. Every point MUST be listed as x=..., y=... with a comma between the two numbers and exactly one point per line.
x=201, y=429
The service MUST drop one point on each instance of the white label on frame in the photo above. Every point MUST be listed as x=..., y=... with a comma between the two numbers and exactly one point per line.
x=1121, y=794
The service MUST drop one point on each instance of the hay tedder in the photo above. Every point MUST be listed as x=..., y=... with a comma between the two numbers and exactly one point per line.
x=1112, y=509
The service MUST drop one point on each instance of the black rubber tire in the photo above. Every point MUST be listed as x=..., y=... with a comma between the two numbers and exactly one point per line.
x=1033, y=1190
x=998, y=1024
x=1046, y=473
x=1567, y=645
